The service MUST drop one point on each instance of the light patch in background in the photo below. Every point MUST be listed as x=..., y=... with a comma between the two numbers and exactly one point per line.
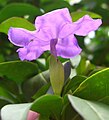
x=91, y=34
x=90, y=57
x=42, y=10
x=108, y=33
x=104, y=6
x=87, y=40
x=26, y=16
x=72, y=2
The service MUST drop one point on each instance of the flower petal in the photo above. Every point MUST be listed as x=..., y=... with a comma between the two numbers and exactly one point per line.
x=22, y=53
x=33, y=50
x=26, y=54
x=32, y=115
x=68, y=29
x=68, y=47
x=53, y=21
x=20, y=37
x=39, y=44
x=33, y=55
x=86, y=24
x=43, y=35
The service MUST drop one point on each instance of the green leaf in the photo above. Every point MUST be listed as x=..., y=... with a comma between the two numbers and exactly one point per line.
x=3, y=103
x=3, y=2
x=55, y=5
x=9, y=85
x=7, y=96
x=73, y=84
x=19, y=10
x=95, y=87
x=79, y=14
x=34, y=84
x=84, y=67
x=70, y=114
x=48, y=105
x=67, y=112
x=56, y=75
x=18, y=111
x=2, y=58
x=16, y=22
x=43, y=90
x=41, y=64
x=90, y=110
x=17, y=71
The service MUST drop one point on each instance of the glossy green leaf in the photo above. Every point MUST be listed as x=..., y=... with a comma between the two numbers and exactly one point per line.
x=79, y=14
x=70, y=114
x=16, y=22
x=95, y=87
x=18, y=71
x=3, y=103
x=41, y=64
x=56, y=75
x=19, y=10
x=34, y=84
x=84, y=67
x=19, y=111
x=9, y=85
x=55, y=5
x=73, y=84
x=90, y=110
x=48, y=105
x=43, y=90
x=67, y=112
x=7, y=96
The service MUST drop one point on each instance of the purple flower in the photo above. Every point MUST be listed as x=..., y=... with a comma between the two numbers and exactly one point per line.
x=55, y=32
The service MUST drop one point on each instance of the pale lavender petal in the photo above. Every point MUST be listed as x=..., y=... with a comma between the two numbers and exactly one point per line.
x=28, y=54
x=44, y=35
x=39, y=44
x=20, y=37
x=53, y=21
x=86, y=24
x=33, y=55
x=22, y=53
x=33, y=50
x=68, y=47
x=68, y=29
